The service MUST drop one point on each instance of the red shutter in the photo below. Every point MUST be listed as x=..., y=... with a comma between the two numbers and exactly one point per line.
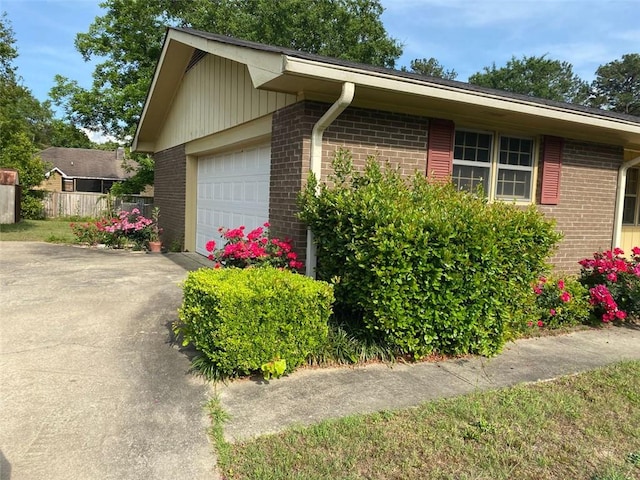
x=440, y=151
x=551, y=169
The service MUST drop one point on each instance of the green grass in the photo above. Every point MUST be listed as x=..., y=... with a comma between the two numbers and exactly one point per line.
x=579, y=427
x=56, y=231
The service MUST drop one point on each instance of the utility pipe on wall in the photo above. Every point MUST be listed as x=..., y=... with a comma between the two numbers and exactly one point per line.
x=315, y=161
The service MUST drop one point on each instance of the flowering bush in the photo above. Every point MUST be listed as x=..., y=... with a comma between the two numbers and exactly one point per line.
x=256, y=249
x=126, y=229
x=560, y=303
x=87, y=233
x=613, y=282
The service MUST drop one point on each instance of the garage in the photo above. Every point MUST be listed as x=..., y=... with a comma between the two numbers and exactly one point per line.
x=233, y=190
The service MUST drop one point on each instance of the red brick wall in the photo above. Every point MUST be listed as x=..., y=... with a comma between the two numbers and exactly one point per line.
x=394, y=138
x=397, y=139
x=170, y=179
x=585, y=213
x=291, y=130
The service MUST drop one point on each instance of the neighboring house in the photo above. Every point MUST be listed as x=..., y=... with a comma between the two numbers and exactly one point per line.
x=236, y=126
x=83, y=169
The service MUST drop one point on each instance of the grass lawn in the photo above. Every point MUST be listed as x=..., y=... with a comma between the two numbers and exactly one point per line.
x=578, y=427
x=56, y=231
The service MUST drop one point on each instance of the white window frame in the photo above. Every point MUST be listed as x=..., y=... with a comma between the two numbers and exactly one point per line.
x=495, y=166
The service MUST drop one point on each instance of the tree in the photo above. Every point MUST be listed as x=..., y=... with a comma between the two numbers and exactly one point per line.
x=617, y=85
x=430, y=67
x=27, y=125
x=129, y=37
x=59, y=133
x=138, y=182
x=535, y=76
x=20, y=116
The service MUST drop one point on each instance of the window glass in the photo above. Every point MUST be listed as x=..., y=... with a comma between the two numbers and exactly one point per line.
x=515, y=168
x=472, y=146
x=472, y=161
x=475, y=158
x=630, y=198
x=516, y=151
x=513, y=184
x=469, y=178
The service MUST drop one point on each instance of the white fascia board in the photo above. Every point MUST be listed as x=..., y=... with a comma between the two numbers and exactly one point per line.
x=154, y=81
x=56, y=169
x=260, y=76
x=77, y=177
x=385, y=81
x=271, y=62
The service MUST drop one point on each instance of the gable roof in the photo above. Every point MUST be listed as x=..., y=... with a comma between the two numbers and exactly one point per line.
x=86, y=163
x=317, y=77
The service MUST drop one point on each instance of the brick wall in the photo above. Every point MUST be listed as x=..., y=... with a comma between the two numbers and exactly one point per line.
x=395, y=138
x=170, y=179
x=291, y=130
x=585, y=213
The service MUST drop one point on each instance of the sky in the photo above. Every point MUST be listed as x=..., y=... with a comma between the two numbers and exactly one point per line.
x=464, y=35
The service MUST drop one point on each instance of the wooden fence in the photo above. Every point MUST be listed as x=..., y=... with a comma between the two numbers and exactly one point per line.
x=84, y=204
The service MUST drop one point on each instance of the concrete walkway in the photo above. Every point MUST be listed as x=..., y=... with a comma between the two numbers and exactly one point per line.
x=312, y=395
x=90, y=385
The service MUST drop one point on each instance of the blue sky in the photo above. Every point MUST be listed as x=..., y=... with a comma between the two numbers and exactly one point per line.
x=464, y=35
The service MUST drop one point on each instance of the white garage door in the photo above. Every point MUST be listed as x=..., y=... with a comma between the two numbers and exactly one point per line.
x=233, y=190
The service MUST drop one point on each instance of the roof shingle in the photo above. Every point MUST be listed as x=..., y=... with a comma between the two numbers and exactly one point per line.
x=86, y=163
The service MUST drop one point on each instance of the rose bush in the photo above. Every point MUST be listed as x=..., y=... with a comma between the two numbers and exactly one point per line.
x=126, y=229
x=560, y=303
x=614, y=283
x=256, y=249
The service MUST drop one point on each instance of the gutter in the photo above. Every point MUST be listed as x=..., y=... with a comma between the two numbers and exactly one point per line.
x=315, y=161
x=622, y=182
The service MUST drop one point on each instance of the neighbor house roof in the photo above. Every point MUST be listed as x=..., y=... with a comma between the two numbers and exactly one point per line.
x=86, y=163
x=317, y=77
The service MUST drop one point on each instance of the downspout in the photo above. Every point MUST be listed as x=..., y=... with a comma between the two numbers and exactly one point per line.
x=315, y=162
x=622, y=182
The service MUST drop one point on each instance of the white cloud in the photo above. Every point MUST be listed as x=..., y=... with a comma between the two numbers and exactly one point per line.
x=98, y=137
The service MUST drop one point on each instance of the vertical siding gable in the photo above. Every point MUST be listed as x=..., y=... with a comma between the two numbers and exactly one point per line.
x=551, y=170
x=215, y=94
x=440, y=149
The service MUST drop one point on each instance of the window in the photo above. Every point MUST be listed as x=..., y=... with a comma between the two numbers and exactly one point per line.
x=504, y=171
x=629, y=210
x=67, y=184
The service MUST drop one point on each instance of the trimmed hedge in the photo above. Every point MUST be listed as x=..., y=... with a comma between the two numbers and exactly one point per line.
x=421, y=265
x=241, y=319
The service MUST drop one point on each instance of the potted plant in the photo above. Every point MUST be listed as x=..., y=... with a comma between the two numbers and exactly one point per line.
x=155, y=245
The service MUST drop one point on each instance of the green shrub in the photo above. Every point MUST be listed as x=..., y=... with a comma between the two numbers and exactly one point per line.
x=241, y=319
x=560, y=303
x=421, y=265
x=31, y=205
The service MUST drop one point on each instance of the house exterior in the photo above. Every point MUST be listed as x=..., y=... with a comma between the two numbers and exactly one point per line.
x=235, y=127
x=83, y=169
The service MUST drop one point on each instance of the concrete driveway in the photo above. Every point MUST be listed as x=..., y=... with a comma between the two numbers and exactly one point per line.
x=90, y=385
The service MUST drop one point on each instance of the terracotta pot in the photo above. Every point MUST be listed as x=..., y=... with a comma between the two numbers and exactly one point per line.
x=155, y=247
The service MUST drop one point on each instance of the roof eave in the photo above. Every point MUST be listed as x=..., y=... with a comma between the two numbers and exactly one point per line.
x=485, y=100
